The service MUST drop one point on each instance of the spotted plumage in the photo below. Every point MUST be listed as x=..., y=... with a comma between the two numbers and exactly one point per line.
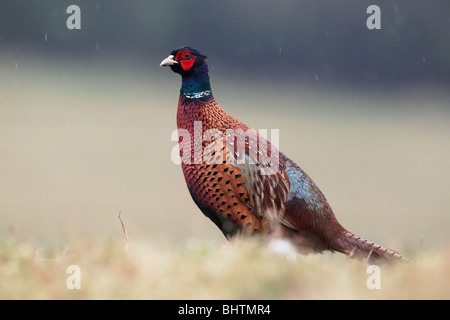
x=244, y=184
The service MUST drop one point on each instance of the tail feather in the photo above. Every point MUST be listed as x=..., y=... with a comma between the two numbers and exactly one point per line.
x=356, y=246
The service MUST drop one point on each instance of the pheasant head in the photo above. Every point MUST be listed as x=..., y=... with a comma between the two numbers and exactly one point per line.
x=192, y=67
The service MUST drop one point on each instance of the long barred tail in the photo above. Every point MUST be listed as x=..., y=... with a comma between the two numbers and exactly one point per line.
x=358, y=247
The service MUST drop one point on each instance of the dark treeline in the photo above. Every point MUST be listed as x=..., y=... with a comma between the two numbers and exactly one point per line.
x=326, y=39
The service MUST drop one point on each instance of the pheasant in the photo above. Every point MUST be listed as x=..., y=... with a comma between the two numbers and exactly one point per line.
x=243, y=183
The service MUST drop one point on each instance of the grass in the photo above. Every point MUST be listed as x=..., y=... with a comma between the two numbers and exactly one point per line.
x=242, y=269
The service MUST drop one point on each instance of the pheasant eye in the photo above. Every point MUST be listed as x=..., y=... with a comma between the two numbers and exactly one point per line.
x=187, y=55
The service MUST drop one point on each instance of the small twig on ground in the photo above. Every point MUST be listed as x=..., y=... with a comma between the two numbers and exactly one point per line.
x=368, y=257
x=125, y=233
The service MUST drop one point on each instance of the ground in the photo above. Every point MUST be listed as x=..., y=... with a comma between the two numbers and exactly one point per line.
x=243, y=269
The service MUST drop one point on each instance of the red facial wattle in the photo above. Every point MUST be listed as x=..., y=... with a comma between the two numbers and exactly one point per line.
x=186, y=59
x=187, y=64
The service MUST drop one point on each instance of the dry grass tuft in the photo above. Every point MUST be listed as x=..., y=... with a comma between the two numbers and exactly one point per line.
x=243, y=269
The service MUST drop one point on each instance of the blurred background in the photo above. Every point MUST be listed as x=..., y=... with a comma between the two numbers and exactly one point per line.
x=86, y=115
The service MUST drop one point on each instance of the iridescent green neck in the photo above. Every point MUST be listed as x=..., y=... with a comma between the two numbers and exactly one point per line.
x=195, y=85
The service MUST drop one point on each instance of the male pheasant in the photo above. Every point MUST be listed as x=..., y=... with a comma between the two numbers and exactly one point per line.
x=243, y=183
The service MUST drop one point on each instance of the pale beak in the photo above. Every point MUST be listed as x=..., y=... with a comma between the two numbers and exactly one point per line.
x=168, y=61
